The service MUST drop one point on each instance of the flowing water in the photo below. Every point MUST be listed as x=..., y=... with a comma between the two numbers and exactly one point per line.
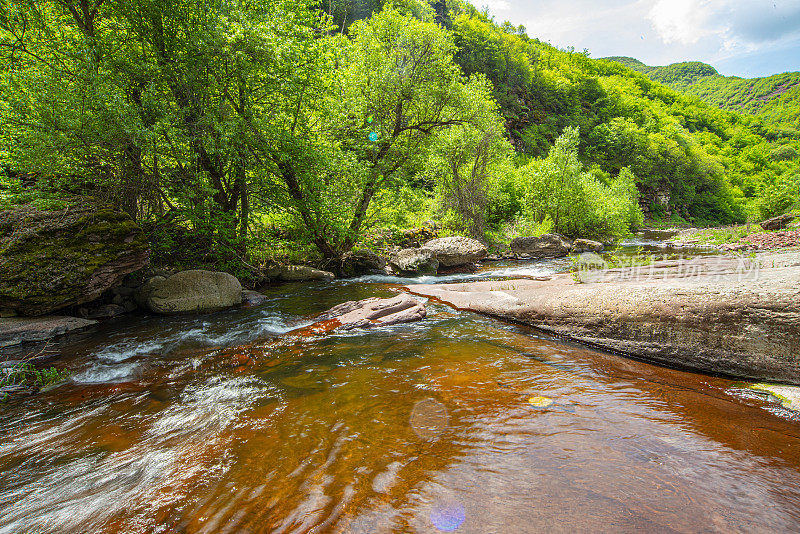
x=229, y=423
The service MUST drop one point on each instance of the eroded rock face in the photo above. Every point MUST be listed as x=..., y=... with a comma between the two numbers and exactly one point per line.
x=414, y=261
x=546, y=246
x=455, y=251
x=53, y=259
x=778, y=223
x=368, y=313
x=191, y=292
x=710, y=315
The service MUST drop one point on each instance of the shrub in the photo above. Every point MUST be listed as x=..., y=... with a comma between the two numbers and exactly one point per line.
x=579, y=203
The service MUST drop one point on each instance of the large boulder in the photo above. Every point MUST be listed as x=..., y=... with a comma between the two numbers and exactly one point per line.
x=414, y=261
x=455, y=251
x=190, y=292
x=546, y=246
x=361, y=262
x=53, y=259
x=777, y=223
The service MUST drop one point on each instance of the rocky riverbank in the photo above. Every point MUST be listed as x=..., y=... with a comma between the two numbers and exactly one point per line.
x=725, y=314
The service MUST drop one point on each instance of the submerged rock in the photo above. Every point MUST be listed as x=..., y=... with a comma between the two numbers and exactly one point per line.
x=190, y=292
x=726, y=315
x=545, y=246
x=414, y=261
x=368, y=313
x=17, y=330
x=454, y=251
x=53, y=259
x=253, y=298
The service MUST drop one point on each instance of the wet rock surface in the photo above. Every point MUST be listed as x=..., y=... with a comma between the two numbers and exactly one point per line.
x=368, y=313
x=713, y=314
x=18, y=330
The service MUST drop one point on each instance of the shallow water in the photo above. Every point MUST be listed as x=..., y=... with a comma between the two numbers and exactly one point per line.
x=229, y=423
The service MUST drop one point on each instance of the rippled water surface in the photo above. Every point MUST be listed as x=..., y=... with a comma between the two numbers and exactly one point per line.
x=227, y=423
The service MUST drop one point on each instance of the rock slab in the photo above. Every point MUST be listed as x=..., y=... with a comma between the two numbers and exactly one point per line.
x=17, y=330
x=777, y=223
x=715, y=315
x=368, y=313
x=50, y=260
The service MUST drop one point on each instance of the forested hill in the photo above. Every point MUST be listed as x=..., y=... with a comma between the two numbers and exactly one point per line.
x=707, y=158
x=317, y=125
x=775, y=98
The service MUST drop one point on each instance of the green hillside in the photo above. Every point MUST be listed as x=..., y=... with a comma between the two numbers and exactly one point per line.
x=776, y=98
x=712, y=162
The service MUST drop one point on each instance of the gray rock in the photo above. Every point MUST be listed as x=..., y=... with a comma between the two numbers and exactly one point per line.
x=546, y=246
x=361, y=262
x=587, y=245
x=727, y=315
x=414, y=261
x=454, y=251
x=302, y=273
x=142, y=294
x=253, y=298
x=16, y=330
x=192, y=292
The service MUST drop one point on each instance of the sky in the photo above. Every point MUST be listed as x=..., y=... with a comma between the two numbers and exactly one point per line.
x=739, y=37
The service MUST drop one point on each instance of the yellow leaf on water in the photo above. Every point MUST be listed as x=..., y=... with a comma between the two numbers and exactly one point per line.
x=540, y=402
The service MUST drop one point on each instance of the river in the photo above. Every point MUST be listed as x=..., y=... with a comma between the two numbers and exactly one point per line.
x=229, y=423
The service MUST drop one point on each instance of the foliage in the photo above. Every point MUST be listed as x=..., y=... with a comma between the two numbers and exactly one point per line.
x=578, y=203
x=27, y=375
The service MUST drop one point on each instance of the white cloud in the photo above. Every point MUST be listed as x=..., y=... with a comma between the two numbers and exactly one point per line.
x=681, y=21
x=495, y=5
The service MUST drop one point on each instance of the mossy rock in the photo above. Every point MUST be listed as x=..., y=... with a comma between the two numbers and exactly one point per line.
x=50, y=260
